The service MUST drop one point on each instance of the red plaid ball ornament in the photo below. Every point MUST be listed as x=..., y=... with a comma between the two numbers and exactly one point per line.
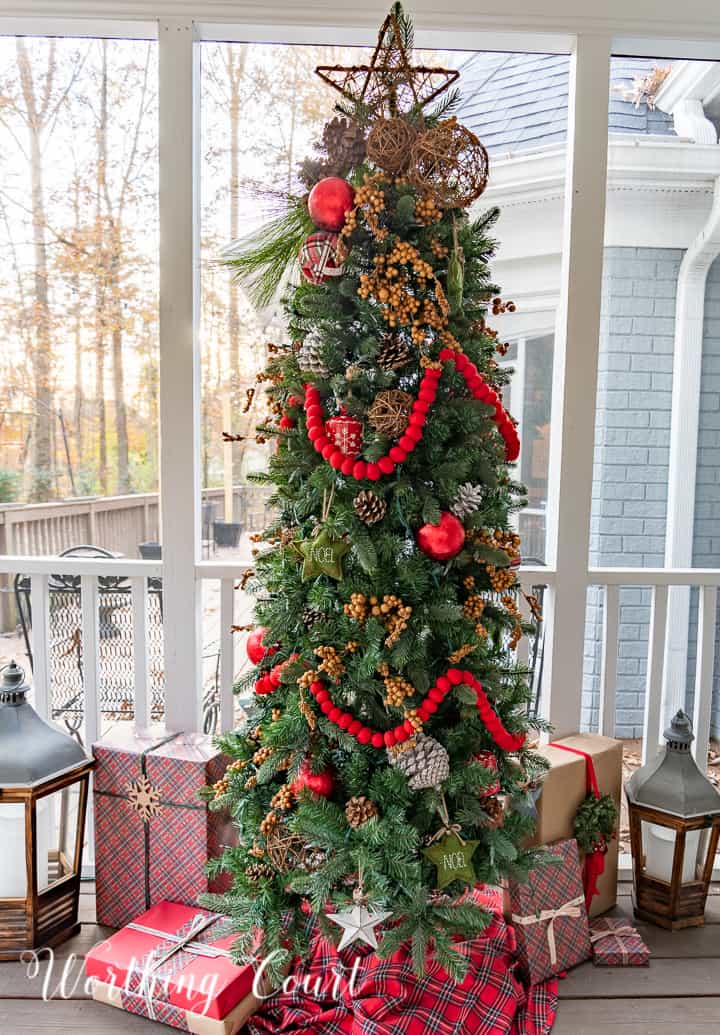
x=318, y=257
x=347, y=434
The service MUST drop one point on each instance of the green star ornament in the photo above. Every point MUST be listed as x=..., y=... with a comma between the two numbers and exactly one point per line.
x=451, y=857
x=323, y=556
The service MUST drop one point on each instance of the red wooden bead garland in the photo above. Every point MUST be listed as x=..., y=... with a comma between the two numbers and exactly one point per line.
x=359, y=469
x=443, y=685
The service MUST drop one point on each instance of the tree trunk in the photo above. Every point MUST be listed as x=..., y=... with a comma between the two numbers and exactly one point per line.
x=41, y=486
x=236, y=59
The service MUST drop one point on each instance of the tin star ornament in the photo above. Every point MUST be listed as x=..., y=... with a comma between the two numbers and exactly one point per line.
x=359, y=922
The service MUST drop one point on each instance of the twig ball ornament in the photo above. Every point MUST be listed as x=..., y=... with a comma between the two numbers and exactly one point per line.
x=318, y=257
x=444, y=540
x=449, y=164
x=255, y=648
x=389, y=144
x=390, y=412
x=321, y=784
x=329, y=202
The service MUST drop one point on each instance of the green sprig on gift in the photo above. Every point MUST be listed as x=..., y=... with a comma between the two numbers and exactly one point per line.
x=595, y=822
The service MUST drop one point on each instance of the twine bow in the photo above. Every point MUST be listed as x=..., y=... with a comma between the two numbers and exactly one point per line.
x=447, y=827
x=570, y=909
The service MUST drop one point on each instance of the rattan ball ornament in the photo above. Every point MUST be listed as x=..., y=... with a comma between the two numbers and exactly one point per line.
x=369, y=507
x=449, y=164
x=390, y=412
x=319, y=257
x=389, y=144
x=425, y=764
x=288, y=851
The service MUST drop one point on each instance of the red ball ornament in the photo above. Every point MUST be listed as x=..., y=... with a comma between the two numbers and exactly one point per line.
x=444, y=540
x=286, y=422
x=329, y=202
x=318, y=257
x=346, y=432
x=321, y=784
x=255, y=648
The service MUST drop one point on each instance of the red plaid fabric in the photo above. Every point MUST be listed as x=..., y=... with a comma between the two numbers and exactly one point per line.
x=555, y=887
x=385, y=997
x=165, y=1013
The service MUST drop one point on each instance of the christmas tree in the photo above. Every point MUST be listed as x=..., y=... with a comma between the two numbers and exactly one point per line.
x=383, y=769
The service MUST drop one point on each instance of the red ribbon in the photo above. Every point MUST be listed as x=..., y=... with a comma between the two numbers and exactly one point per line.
x=594, y=865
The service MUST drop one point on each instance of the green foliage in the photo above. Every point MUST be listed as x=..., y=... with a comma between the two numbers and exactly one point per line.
x=261, y=259
x=9, y=485
x=595, y=821
x=286, y=730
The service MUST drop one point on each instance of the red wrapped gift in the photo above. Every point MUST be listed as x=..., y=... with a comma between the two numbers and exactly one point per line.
x=549, y=915
x=146, y=804
x=616, y=943
x=173, y=965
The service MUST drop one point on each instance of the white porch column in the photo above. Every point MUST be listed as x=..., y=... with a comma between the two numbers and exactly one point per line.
x=684, y=426
x=179, y=369
x=572, y=433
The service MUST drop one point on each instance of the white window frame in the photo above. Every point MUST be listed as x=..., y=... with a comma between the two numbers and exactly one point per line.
x=589, y=40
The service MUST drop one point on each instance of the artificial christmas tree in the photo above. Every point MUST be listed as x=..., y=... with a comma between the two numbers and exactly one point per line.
x=368, y=750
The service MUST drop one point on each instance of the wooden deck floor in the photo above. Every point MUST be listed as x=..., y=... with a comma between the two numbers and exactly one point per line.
x=678, y=994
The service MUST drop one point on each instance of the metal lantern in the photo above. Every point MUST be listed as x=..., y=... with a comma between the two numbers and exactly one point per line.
x=674, y=829
x=44, y=776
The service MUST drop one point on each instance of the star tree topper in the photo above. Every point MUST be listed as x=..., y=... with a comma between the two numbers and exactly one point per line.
x=389, y=85
x=452, y=858
x=323, y=556
x=359, y=922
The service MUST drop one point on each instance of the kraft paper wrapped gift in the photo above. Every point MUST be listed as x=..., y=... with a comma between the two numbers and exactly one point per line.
x=564, y=789
x=172, y=964
x=153, y=834
x=549, y=917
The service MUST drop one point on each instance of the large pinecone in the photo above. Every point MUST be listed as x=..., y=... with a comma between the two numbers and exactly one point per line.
x=467, y=500
x=426, y=764
x=359, y=811
x=311, y=616
x=310, y=357
x=369, y=507
x=343, y=144
x=394, y=353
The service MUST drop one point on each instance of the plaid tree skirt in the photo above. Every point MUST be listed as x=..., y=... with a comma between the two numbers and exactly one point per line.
x=386, y=998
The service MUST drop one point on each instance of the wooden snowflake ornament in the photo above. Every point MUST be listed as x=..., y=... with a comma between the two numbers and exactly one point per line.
x=144, y=798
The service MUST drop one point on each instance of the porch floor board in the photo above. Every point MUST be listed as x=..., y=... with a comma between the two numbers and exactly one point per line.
x=679, y=991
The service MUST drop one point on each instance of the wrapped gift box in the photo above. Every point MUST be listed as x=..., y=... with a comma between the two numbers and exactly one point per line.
x=564, y=789
x=549, y=916
x=172, y=964
x=616, y=943
x=146, y=805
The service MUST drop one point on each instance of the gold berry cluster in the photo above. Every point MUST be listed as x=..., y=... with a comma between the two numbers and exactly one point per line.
x=511, y=606
x=269, y=823
x=500, y=578
x=283, y=799
x=508, y=542
x=462, y=652
x=427, y=211
x=391, y=611
x=411, y=714
x=306, y=680
x=499, y=307
x=396, y=690
x=261, y=755
x=473, y=607
x=439, y=250
x=332, y=662
x=370, y=200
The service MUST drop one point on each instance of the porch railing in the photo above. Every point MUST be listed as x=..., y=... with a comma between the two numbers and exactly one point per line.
x=234, y=607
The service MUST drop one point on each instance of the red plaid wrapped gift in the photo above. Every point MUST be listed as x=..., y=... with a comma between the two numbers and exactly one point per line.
x=616, y=943
x=549, y=915
x=173, y=965
x=146, y=804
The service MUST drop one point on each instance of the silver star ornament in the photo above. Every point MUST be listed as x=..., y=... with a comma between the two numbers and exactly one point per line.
x=359, y=924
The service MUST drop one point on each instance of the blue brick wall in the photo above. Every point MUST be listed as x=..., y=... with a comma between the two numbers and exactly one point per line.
x=632, y=443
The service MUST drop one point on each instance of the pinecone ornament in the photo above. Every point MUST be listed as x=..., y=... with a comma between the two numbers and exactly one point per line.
x=310, y=357
x=425, y=764
x=394, y=354
x=311, y=616
x=369, y=507
x=259, y=871
x=359, y=810
x=467, y=501
x=344, y=143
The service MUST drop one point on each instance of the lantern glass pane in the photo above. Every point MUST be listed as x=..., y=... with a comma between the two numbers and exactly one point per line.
x=659, y=850
x=57, y=831
x=13, y=865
